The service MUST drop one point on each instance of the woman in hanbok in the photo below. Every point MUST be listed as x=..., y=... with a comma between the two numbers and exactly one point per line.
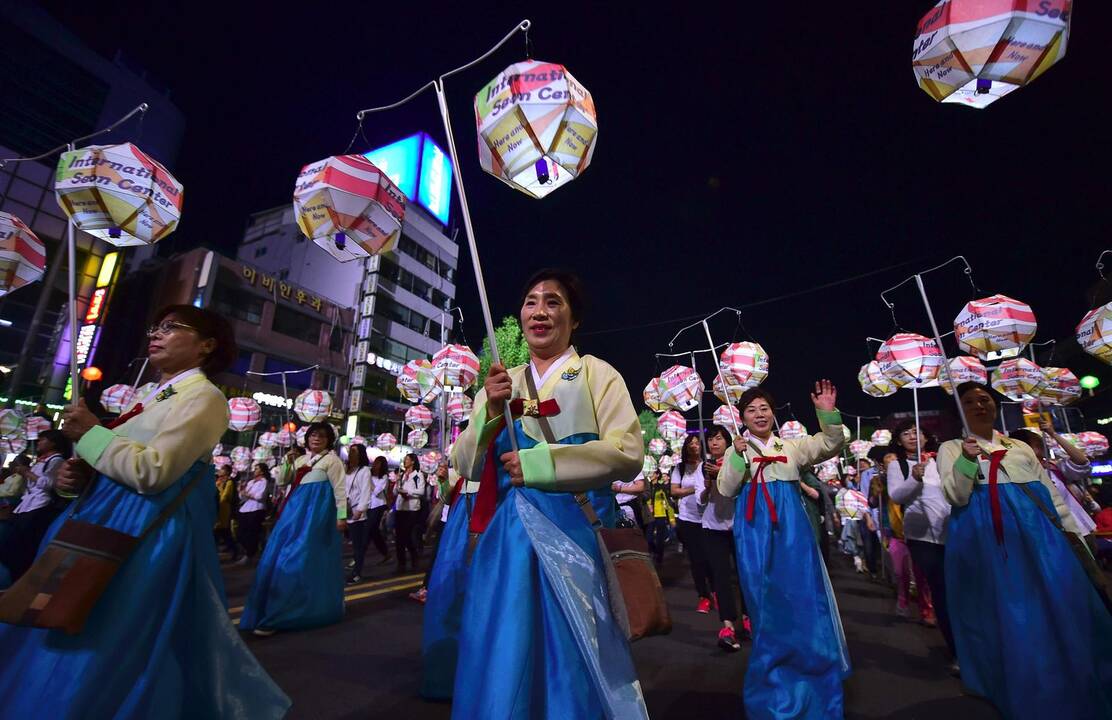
x=159, y=642
x=299, y=582
x=1032, y=634
x=799, y=657
x=539, y=638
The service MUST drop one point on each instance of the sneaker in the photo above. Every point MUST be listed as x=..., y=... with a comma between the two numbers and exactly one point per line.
x=727, y=640
x=263, y=632
x=858, y=565
x=746, y=627
x=903, y=610
x=420, y=596
x=350, y=564
x=704, y=606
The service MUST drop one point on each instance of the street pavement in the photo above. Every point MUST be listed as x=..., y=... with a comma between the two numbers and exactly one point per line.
x=369, y=665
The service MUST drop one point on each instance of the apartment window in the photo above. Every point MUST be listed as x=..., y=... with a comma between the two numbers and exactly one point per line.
x=232, y=302
x=336, y=339
x=294, y=324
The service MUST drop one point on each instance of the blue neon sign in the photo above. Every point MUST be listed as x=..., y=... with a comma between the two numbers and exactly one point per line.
x=421, y=170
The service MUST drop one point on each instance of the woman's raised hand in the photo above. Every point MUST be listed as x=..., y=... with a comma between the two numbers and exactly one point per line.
x=825, y=395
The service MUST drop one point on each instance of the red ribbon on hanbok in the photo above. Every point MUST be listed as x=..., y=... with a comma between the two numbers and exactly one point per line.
x=457, y=490
x=298, y=476
x=758, y=479
x=545, y=408
x=125, y=417
x=995, y=459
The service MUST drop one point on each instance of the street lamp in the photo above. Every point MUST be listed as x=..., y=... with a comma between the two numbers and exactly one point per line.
x=1090, y=383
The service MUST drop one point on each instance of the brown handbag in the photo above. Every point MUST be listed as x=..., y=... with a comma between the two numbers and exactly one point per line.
x=636, y=596
x=62, y=587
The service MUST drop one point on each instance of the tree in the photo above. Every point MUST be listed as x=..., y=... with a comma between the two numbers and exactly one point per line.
x=512, y=349
x=647, y=418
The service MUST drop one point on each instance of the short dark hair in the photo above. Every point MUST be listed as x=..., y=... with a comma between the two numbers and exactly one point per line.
x=755, y=393
x=416, y=461
x=60, y=442
x=358, y=453
x=1026, y=435
x=325, y=428
x=970, y=385
x=717, y=430
x=569, y=281
x=210, y=326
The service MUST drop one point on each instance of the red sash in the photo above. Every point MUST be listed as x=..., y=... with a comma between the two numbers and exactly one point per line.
x=125, y=417
x=995, y=459
x=758, y=479
x=299, y=475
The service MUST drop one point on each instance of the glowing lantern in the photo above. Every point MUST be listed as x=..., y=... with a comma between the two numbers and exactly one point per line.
x=729, y=390
x=909, y=359
x=240, y=455
x=313, y=405
x=92, y=373
x=537, y=127
x=117, y=398
x=418, y=417
x=33, y=425
x=455, y=366
x=386, y=442
x=290, y=427
x=13, y=445
x=746, y=362
x=1018, y=379
x=995, y=327
x=973, y=52
x=851, y=503
x=429, y=461
x=417, y=438
x=11, y=424
x=874, y=382
x=827, y=473
x=792, y=430
x=243, y=414
x=1093, y=443
x=658, y=446
x=268, y=440
x=882, y=437
x=22, y=254
x=1062, y=386
x=672, y=425
x=1094, y=333
x=241, y=466
x=284, y=438
x=727, y=416
x=221, y=460
x=118, y=193
x=458, y=407
x=961, y=369
x=652, y=397
x=417, y=382
x=860, y=448
x=348, y=207
x=261, y=454
x=665, y=464
x=680, y=387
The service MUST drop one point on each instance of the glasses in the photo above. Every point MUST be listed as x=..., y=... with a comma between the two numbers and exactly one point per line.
x=168, y=326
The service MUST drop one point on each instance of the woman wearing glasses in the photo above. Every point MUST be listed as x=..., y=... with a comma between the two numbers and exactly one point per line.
x=158, y=640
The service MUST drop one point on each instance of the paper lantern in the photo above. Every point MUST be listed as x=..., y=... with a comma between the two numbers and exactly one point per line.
x=727, y=416
x=1094, y=333
x=22, y=254
x=729, y=390
x=268, y=440
x=417, y=439
x=658, y=446
x=418, y=417
x=1018, y=379
x=13, y=445
x=117, y=398
x=909, y=359
x=1062, y=386
x=649, y=466
x=881, y=438
x=792, y=430
x=33, y=425
x=118, y=193
x=860, y=448
x=680, y=387
x=874, y=382
x=995, y=327
x=429, y=461
x=827, y=474
x=240, y=454
x=665, y=464
x=417, y=382
x=218, y=450
x=386, y=442
x=537, y=127
x=1072, y=439
x=974, y=52
x=672, y=425
x=746, y=362
x=455, y=366
x=359, y=440
x=299, y=436
x=961, y=369
x=851, y=504
x=651, y=394
x=1093, y=443
x=221, y=460
x=11, y=424
x=313, y=405
x=458, y=406
x=348, y=207
x=243, y=414
x=285, y=438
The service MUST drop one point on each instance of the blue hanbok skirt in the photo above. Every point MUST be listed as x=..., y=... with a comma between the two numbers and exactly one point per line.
x=799, y=657
x=538, y=639
x=299, y=582
x=444, y=606
x=159, y=642
x=1032, y=634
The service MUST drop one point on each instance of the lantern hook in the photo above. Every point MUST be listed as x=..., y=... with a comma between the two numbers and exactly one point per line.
x=141, y=108
x=1100, y=263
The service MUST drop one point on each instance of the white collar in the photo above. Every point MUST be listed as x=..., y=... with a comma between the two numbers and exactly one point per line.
x=176, y=379
x=762, y=445
x=556, y=365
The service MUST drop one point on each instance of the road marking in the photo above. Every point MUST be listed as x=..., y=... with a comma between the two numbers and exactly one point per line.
x=351, y=598
x=402, y=582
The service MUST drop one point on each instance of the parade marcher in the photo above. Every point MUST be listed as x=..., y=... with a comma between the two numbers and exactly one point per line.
x=628, y=494
x=799, y=657
x=1067, y=475
x=661, y=515
x=718, y=512
x=687, y=480
x=13, y=485
x=252, y=511
x=407, y=509
x=299, y=582
x=39, y=506
x=357, y=479
x=225, y=498
x=442, y=484
x=1032, y=634
x=539, y=638
x=380, y=503
x=158, y=642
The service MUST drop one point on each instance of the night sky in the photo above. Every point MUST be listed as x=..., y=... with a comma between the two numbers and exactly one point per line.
x=743, y=155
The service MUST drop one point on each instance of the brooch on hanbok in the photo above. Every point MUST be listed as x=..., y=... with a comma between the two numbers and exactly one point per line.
x=168, y=392
x=571, y=374
x=778, y=446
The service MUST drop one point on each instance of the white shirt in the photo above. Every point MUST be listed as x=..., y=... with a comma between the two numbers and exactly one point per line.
x=690, y=509
x=1086, y=523
x=412, y=483
x=718, y=513
x=255, y=492
x=378, y=491
x=358, y=492
x=40, y=491
x=926, y=510
x=623, y=497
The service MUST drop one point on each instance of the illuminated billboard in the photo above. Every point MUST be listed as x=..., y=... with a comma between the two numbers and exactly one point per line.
x=421, y=169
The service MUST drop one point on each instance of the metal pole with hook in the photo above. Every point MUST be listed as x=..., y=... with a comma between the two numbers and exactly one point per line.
x=725, y=390
x=941, y=351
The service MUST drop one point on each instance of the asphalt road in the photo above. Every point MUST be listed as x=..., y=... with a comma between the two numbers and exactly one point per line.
x=369, y=665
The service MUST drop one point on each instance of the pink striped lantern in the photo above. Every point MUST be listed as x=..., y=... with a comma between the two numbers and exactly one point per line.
x=860, y=448
x=22, y=254
x=299, y=436
x=348, y=207
x=358, y=440
x=429, y=461
x=995, y=327
x=680, y=387
x=117, y=398
x=313, y=405
x=727, y=388
x=792, y=430
x=672, y=425
x=1093, y=443
x=727, y=416
x=418, y=417
x=1018, y=379
x=240, y=455
x=882, y=438
x=218, y=450
x=651, y=395
x=458, y=407
x=1062, y=386
x=874, y=382
x=909, y=359
x=417, y=439
x=455, y=366
x=1094, y=333
x=386, y=442
x=658, y=446
x=417, y=381
x=285, y=438
x=243, y=414
x=221, y=460
x=33, y=425
x=746, y=362
x=962, y=369
x=268, y=440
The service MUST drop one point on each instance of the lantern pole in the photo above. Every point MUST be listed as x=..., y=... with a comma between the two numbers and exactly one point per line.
x=71, y=279
x=710, y=342
x=918, y=439
x=142, y=369
x=941, y=351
